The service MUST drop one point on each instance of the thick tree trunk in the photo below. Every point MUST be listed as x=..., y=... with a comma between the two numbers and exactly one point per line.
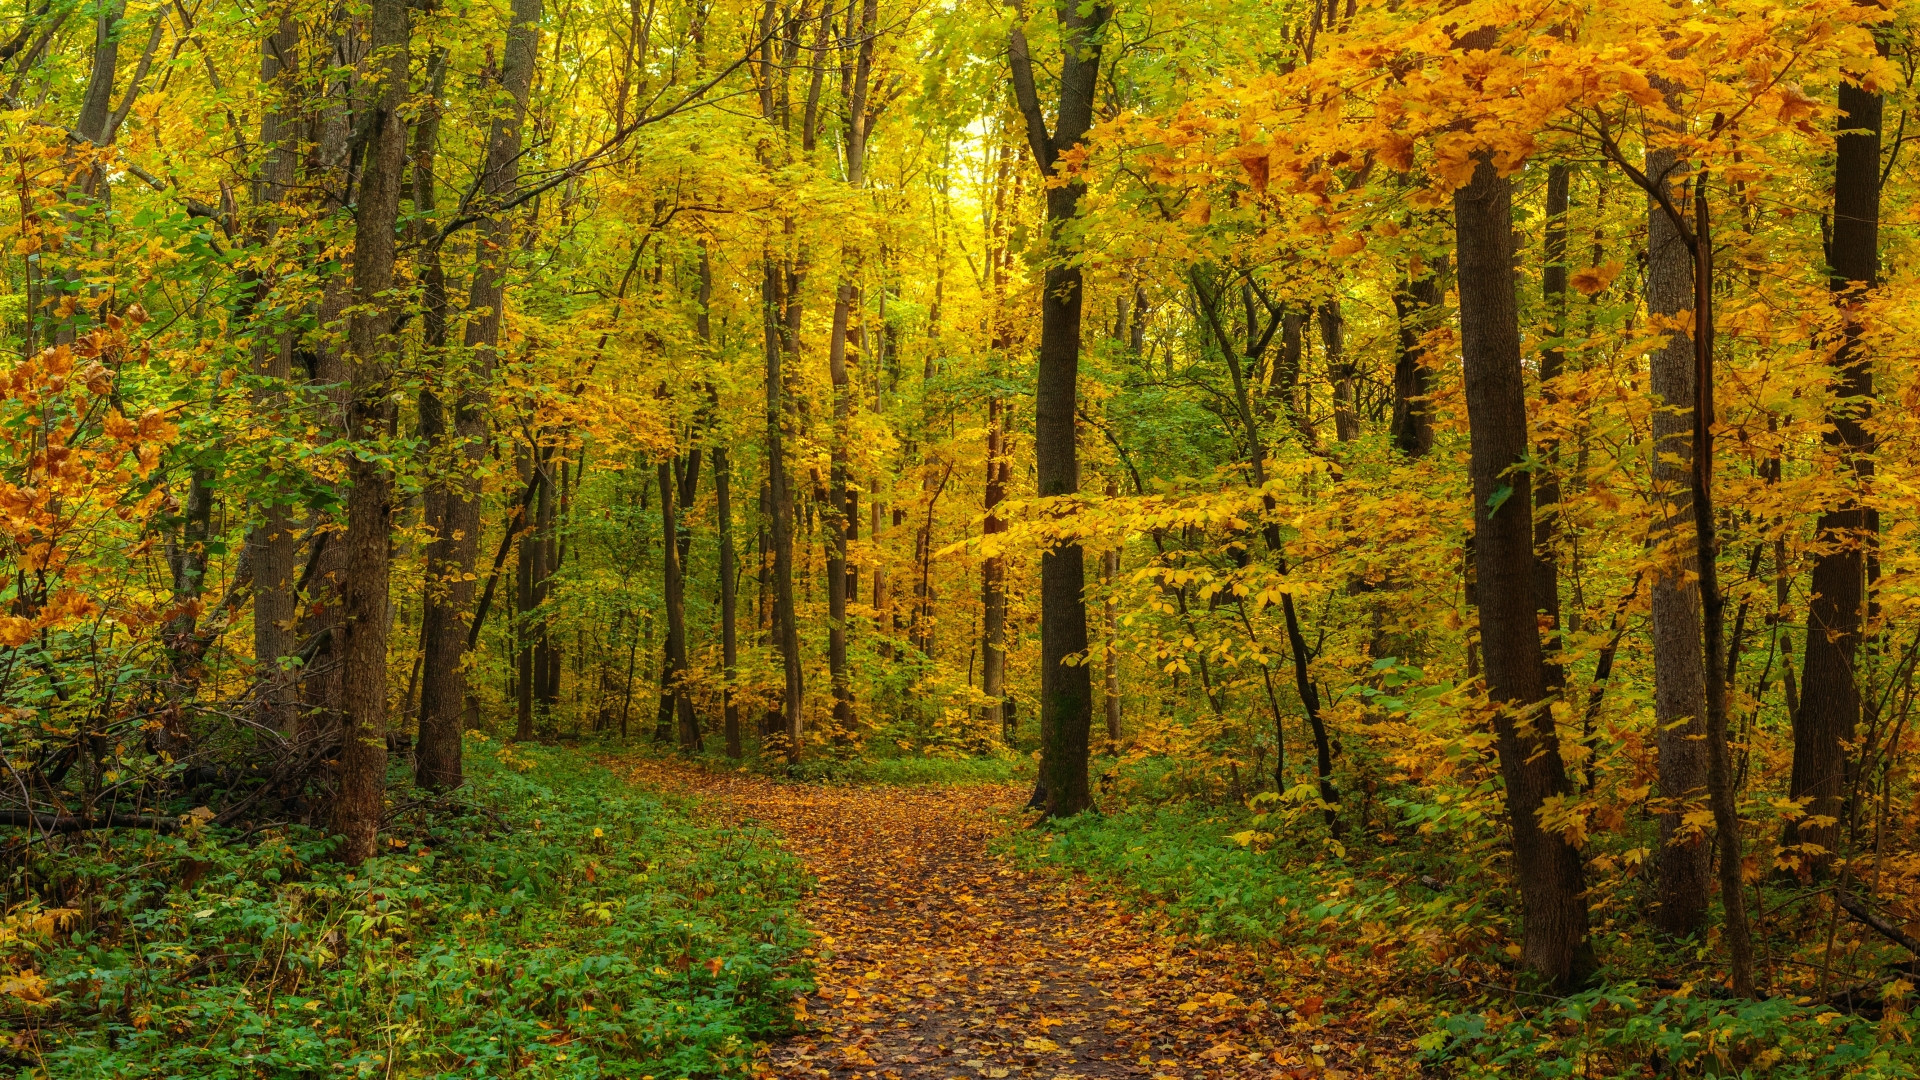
x=842, y=499
x=1549, y=869
x=370, y=340
x=1829, y=691
x=1066, y=689
x=273, y=546
x=453, y=552
x=1684, y=867
x=322, y=580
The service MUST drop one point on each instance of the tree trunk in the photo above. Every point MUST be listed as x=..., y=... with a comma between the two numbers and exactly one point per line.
x=842, y=500
x=1829, y=692
x=729, y=631
x=1066, y=689
x=674, y=701
x=322, y=580
x=1109, y=573
x=1684, y=868
x=993, y=572
x=1341, y=372
x=1416, y=305
x=370, y=339
x=453, y=553
x=786, y=633
x=1549, y=869
x=1546, y=490
x=526, y=599
x=273, y=547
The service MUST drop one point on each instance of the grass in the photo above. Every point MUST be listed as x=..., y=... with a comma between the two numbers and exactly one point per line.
x=907, y=770
x=556, y=923
x=1409, y=931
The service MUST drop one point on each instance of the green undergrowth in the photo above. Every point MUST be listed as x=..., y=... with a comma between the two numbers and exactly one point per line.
x=553, y=922
x=860, y=766
x=910, y=769
x=1410, y=935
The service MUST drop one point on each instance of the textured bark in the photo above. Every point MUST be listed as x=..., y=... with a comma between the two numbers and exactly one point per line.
x=1066, y=689
x=1416, y=305
x=323, y=578
x=96, y=107
x=786, y=634
x=1549, y=869
x=1683, y=869
x=842, y=498
x=273, y=547
x=1829, y=688
x=363, y=754
x=453, y=552
x=993, y=575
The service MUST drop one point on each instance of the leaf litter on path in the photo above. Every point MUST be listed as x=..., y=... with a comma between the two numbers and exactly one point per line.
x=937, y=959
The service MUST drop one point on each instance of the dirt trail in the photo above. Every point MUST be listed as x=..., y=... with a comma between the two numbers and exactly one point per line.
x=939, y=960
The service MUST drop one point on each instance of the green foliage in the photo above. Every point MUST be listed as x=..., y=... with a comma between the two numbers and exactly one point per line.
x=555, y=923
x=1613, y=1030
x=1414, y=935
x=908, y=769
x=1182, y=859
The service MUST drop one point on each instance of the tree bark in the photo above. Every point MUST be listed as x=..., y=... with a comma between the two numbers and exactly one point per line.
x=1066, y=686
x=1683, y=868
x=1416, y=304
x=1341, y=372
x=527, y=573
x=674, y=701
x=453, y=552
x=786, y=633
x=370, y=338
x=1829, y=692
x=842, y=509
x=993, y=574
x=1109, y=573
x=1546, y=490
x=1549, y=869
x=274, y=546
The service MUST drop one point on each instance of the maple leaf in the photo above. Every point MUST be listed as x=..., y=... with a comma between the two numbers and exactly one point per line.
x=1593, y=280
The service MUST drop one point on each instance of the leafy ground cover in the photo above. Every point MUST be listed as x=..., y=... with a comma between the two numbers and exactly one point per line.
x=937, y=959
x=1404, y=941
x=554, y=923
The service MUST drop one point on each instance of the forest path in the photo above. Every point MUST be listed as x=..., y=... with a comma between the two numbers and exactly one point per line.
x=939, y=959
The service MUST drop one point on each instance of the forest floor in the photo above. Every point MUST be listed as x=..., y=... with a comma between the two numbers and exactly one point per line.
x=937, y=958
